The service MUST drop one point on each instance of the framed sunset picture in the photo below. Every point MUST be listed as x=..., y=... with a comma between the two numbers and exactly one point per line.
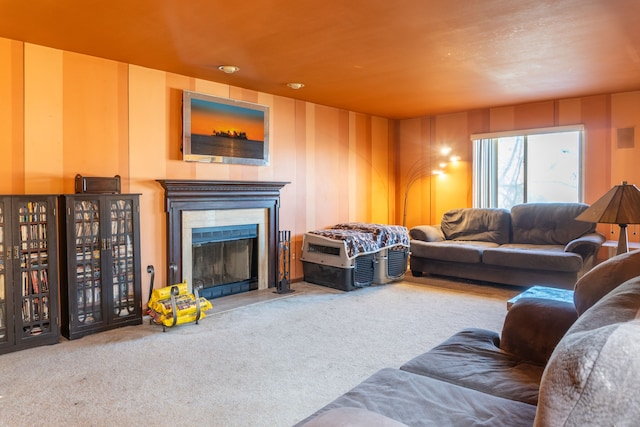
x=222, y=130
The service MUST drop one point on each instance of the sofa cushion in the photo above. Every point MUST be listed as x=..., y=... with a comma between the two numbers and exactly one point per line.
x=472, y=358
x=533, y=328
x=488, y=225
x=548, y=223
x=450, y=250
x=591, y=378
x=417, y=400
x=533, y=257
x=604, y=277
x=427, y=233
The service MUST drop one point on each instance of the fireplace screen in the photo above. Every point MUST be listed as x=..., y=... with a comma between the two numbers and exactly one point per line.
x=225, y=259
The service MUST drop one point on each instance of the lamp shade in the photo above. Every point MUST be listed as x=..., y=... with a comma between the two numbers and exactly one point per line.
x=620, y=205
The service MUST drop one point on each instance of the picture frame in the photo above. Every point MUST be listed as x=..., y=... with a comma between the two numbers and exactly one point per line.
x=222, y=130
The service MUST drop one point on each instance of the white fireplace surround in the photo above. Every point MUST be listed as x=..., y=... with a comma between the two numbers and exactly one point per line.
x=221, y=218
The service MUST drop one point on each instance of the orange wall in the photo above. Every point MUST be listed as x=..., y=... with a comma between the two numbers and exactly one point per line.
x=64, y=113
x=11, y=117
x=605, y=164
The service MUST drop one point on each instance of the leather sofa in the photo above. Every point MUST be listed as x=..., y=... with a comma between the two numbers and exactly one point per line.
x=555, y=363
x=533, y=244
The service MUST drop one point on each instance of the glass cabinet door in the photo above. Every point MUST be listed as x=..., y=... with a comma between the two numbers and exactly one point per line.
x=28, y=272
x=5, y=259
x=88, y=245
x=32, y=245
x=122, y=252
x=101, y=278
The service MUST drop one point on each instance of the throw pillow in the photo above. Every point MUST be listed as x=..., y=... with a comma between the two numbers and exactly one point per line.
x=604, y=277
x=474, y=224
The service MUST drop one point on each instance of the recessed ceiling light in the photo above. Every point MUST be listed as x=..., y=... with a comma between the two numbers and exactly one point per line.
x=295, y=86
x=229, y=69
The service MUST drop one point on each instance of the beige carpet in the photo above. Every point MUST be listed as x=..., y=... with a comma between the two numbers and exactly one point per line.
x=270, y=363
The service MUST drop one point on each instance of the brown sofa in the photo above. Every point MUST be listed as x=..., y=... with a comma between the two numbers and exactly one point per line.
x=533, y=244
x=555, y=363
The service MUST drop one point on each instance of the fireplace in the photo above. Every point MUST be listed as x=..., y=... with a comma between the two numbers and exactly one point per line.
x=201, y=223
x=222, y=235
x=224, y=260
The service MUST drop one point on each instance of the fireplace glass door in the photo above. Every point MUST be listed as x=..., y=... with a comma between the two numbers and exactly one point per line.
x=225, y=259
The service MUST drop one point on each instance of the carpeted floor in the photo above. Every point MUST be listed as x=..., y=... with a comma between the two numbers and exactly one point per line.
x=270, y=363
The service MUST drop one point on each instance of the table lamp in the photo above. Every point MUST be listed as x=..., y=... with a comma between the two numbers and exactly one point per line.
x=620, y=205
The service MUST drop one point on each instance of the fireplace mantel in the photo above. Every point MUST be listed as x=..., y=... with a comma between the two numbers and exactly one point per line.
x=197, y=195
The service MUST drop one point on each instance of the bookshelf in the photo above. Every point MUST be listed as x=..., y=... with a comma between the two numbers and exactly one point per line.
x=28, y=272
x=100, y=273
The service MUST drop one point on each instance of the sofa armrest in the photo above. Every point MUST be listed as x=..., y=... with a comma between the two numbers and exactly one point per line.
x=586, y=246
x=534, y=326
x=427, y=233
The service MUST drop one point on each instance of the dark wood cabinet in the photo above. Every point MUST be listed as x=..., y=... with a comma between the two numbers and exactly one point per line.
x=101, y=274
x=28, y=272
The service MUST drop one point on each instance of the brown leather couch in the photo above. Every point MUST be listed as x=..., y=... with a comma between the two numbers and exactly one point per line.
x=533, y=244
x=555, y=363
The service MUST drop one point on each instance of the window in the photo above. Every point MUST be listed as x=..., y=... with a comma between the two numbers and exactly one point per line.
x=534, y=166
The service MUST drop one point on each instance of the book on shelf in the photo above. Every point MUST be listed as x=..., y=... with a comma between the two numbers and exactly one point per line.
x=36, y=259
x=45, y=308
x=88, y=297
x=87, y=210
x=24, y=279
x=87, y=253
x=87, y=229
x=35, y=282
x=26, y=310
x=122, y=250
x=44, y=278
x=122, y=266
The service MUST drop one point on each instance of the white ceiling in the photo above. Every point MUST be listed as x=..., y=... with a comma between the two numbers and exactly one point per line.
x=396, y=59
